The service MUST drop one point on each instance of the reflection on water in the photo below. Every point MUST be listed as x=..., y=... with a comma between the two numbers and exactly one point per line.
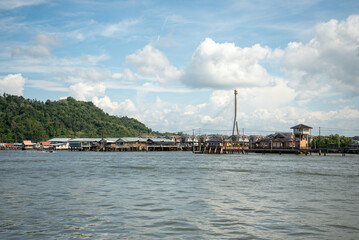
x=64, y=195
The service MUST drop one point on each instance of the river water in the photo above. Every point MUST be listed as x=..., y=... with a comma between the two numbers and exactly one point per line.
x=177, y=195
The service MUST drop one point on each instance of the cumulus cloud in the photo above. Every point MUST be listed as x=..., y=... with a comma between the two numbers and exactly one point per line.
x=330, y=58
x=270, y=97
x=12, y=84
x=154, y=65
x=346, y=113
x=216, y=115
x=224, y=65
x=125, y=108
x=106, y=104
x=85, y=92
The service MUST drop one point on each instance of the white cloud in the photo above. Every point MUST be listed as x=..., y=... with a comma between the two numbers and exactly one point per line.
x=154, y=65
x=12, y=84
x=86, y=91
x=125, y=108
x=216, y=115
x=33, y=51
x=47, y=85
x=94, y=74
x=224, y=65
x=106, y=104
x=37, y=51
x=270, y=97
x=121, y=27
x=7, y=5
x=346, y=113
x=339, y=101
x=93, y=59
x=331, y=58
x=40, y=49
x=92, y=29
x=46, y=40
x=127, y=76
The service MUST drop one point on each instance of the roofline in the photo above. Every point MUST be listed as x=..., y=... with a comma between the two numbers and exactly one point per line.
x=301, y=126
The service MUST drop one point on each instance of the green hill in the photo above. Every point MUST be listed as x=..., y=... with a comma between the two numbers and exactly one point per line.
x=34, y=120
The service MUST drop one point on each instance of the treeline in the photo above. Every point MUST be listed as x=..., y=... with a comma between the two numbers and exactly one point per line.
x=331, y=141
x=25, y=119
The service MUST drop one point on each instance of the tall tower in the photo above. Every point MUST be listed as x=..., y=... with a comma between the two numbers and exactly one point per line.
x=235, y=124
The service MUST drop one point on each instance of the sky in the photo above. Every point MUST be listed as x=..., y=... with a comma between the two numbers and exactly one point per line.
x=174, y=65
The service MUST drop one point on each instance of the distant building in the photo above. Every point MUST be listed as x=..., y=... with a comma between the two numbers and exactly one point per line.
x=254, y=141
x=60, y=143
x=280, y=140
x=188, y=141
x=132, y=142
x=84, y=144
x=44, y=145
x=160, y=141
x=27, y=145
x=224, y=144
x=301, y=134
x=298, y=139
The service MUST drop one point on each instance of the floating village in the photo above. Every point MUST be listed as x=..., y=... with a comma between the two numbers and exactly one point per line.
x=298, y=141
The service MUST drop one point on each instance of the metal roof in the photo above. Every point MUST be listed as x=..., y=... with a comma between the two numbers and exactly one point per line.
x=59, y=139
x=85, y=140
x=301, y=126
x=27, y=142
x=111, y=140
x=161, y=140
x=132, y=139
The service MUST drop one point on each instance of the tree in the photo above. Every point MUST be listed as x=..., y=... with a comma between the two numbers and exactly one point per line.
x=331, y=141
x=36, y=120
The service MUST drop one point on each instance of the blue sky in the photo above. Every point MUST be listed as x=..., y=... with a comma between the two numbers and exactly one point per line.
x=173, y=65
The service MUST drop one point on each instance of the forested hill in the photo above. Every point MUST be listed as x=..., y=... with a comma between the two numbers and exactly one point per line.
x=25, y=119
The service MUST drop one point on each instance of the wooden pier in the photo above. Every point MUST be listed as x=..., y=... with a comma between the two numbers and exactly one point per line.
x=308, y=151
x=149, y=148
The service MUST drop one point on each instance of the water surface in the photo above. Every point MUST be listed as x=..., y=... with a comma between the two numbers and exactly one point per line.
x=177, y=195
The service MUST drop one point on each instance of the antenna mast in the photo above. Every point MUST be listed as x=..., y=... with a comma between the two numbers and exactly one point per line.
x=235, y=124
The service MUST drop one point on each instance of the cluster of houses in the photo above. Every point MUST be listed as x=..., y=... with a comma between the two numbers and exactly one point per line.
x=298, y=139
x=108, y=144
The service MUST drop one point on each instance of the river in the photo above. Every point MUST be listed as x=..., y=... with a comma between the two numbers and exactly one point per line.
x=177, y=195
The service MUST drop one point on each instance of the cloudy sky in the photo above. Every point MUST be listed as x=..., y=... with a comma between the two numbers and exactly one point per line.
x=173, y=65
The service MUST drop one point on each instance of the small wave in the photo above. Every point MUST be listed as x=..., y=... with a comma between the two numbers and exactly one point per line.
x=243, y=209
x=144, y=204
x=318, y=174
x=186, y=229
x=160, y=209
x=225, y=223
x=164, y=224
x=238, y=170
x=133, y=167
x=343, y=227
